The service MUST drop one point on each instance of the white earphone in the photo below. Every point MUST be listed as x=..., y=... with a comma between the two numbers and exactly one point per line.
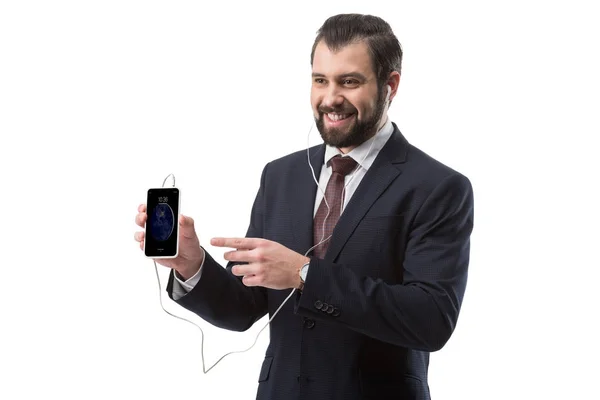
x=389, y=92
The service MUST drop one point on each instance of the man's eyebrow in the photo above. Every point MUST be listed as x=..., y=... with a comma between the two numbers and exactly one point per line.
x=356, y=75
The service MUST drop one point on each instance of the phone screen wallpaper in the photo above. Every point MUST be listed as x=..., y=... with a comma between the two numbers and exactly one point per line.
x=162, y=222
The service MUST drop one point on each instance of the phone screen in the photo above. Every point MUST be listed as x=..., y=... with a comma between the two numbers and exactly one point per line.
x=162, y=224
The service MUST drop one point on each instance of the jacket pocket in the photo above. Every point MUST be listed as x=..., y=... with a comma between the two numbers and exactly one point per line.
x=265, y=369
x=392, y=388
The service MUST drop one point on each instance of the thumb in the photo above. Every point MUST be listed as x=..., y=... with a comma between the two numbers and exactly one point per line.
x=187, y=226
x=186, y=222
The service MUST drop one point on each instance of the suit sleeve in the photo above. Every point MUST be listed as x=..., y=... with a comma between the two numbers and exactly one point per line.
x=421, y=312
x=220, y=297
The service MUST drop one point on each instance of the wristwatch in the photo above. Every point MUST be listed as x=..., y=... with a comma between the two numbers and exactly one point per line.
x=303, y=271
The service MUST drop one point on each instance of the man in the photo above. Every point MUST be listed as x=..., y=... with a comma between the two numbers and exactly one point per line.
x=384, y=286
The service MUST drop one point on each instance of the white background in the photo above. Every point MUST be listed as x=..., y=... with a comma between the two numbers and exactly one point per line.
x=100, y=101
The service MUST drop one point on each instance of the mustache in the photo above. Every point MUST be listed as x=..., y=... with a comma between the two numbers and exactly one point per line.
x=338, y=110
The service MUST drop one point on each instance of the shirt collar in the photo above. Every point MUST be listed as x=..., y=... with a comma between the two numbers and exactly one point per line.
x=359, y=154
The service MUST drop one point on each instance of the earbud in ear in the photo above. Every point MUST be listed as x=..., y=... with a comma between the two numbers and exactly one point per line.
x=389, y=92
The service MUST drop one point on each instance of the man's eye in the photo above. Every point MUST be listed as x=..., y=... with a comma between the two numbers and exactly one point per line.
x=350, y=82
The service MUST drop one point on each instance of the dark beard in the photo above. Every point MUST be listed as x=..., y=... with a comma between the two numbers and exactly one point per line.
x=359, y=132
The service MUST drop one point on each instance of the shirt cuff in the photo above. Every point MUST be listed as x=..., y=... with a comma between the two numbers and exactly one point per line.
x=181, y=287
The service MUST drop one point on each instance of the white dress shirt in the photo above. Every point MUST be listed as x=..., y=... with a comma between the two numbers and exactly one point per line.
x=364, y=155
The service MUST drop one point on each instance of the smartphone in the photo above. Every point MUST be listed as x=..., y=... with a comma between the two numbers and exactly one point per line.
x=162, y=224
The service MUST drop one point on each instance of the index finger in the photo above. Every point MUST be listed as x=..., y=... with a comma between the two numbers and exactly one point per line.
x=142, y=208
x=236, y=243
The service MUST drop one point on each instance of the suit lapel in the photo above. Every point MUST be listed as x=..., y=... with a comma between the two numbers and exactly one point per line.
x=380, y=175
x=303, y=201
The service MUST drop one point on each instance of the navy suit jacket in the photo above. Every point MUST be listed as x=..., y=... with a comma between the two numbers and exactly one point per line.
x=387, y=293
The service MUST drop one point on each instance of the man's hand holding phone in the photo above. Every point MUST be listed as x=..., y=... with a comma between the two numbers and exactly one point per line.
x=190, y=255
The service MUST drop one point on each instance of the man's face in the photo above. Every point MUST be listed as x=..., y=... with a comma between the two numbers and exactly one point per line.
x=346, y=102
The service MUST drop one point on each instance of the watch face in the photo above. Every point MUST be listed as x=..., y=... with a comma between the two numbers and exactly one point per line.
x=303, y=272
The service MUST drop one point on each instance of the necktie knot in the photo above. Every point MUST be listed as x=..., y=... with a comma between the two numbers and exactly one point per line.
x=342, y=165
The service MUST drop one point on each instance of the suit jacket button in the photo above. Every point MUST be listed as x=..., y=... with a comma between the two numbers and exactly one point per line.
x=329, y=309
x=309, y=323
x=336, y=312
x=318, y=304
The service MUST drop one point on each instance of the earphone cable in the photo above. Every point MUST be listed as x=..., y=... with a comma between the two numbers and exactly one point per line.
x=204, y=369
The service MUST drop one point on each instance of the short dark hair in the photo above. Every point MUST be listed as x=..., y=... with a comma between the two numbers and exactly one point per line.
x=344, y=29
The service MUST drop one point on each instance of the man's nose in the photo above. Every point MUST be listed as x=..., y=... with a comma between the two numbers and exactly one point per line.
x=333, y=98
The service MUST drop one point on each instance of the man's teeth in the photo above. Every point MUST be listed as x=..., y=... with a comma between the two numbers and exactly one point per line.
x=337, y=117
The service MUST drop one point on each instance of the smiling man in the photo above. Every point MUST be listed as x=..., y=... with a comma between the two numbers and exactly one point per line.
x=348, y=98
x=377, y=252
